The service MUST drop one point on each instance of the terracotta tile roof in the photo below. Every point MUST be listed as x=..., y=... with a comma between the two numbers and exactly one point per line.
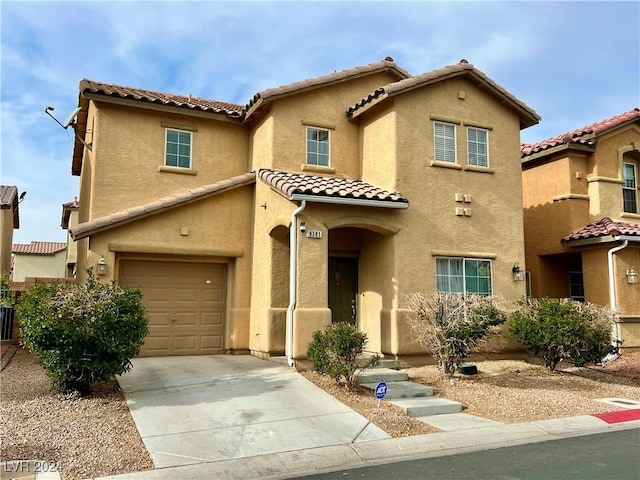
x=604, y=227
x=528, y=116
x=38, y=248
x=123, y=217
x=229, y=109
x=387, y=64
x=73, y=204
x=296, y=186
x=582, y=136
x=9, y=199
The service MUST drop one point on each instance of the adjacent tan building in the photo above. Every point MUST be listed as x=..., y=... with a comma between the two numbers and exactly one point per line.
x=9, y=220
x=582, y=217
x=38, y=260
x=249, y=227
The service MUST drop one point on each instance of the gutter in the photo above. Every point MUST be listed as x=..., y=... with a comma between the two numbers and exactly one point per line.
x=613, y=301
x=349, y=201
x=293, y=271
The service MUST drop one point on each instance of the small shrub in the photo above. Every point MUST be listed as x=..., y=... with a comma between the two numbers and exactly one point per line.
x=563, y=329
x=451, y=326
x=82, y=334
x=7, y=297
x=334, y=351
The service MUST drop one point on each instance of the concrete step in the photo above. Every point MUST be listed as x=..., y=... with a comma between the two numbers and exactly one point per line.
x=450, y=422
x=420, y=407
x=375, y=375
x=402, y=390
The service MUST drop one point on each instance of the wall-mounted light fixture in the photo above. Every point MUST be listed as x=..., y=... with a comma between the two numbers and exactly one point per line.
x=632, y=276
x=518, y=275
x=102, y=266
x=303, y=227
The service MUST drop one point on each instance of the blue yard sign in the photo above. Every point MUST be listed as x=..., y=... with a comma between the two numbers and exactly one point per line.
x=381, y=390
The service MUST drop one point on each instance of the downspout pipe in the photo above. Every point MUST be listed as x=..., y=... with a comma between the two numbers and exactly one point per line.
x=293, y=276
x=613, y=301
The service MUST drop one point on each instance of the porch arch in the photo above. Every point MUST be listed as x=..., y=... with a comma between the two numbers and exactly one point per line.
x=377, y=225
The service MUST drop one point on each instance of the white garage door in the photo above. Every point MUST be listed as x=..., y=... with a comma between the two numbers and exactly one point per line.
x=185, y=303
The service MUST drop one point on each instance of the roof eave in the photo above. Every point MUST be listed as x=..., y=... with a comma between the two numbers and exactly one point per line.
x=599, y=240
x=360, y=202
x=580, y=147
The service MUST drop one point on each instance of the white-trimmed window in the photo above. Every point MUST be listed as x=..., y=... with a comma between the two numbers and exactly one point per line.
x=478, y=146
x=178, y=148
x=444, y=139
x=463, y=275
x=318, y=146
x=630, y=188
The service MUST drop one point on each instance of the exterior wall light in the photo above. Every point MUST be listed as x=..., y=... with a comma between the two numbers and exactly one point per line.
x=518, y=274
x=102, y=266
x=632, y=276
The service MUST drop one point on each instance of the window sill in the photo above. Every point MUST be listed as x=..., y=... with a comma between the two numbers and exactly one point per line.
x=475, y=168
x=317, y=169
x=455, y=166
x=180, y=170
x=635, y=216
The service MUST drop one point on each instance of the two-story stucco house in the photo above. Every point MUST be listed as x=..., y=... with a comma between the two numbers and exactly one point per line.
x=582, y=218
x=9, y=220
x=249, y=227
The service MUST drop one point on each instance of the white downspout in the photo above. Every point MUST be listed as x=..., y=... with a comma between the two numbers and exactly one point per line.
x=613, y=303
x=293, y=272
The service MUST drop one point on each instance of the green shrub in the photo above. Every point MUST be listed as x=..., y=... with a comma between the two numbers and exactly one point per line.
x=334, y=351
x=7, y=297
x=451, y=326
x=563, y=329
x=82, y=334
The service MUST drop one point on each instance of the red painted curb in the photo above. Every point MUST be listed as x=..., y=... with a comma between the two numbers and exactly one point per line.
x=621, y=416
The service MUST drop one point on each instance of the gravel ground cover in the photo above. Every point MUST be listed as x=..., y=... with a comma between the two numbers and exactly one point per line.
x=96, y=436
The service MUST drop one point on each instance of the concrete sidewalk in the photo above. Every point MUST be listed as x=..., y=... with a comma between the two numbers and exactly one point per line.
x=197, y=409
x=295, y=464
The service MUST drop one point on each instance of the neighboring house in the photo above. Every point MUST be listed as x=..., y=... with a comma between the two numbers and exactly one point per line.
x=9, y=220
x=249, y=227
x=39, y=260
x=69, y=219
x=582, y=217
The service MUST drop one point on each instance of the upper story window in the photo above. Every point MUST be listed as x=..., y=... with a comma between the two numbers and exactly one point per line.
x=445, y=142
x=178, y=149
x=317, y=146
x=478, y=146
x=463, y=275
x=630, y=188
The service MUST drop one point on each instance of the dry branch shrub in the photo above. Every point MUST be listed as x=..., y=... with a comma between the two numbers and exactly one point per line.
x=451, y=326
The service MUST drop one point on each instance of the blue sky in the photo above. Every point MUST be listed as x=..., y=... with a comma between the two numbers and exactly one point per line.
x=573, y=62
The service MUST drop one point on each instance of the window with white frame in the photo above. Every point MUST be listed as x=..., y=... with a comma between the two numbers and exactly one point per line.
x=445, y=142
x=178, y=148
x=630, y=188
x=463, y=275
x=478, y=146
x=317, y=146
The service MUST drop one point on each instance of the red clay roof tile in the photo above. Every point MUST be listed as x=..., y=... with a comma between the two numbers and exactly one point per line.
x=38, y=248
x=602, y=228
x=293, y=184
x=229, y=109
x=582, y=135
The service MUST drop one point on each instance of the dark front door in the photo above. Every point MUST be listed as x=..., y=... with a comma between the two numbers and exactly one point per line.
x=343, y=289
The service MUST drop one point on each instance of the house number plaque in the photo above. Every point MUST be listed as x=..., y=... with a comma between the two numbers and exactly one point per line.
x=314, y=233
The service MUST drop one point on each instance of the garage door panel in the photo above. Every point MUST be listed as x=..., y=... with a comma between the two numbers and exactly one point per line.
x=192, y=294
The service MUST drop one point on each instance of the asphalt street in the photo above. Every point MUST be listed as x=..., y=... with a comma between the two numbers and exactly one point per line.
x=605, y=456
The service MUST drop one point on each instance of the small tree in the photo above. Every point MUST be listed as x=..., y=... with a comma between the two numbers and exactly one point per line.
x=451, y=326
x=334, y=351
x=564, y=329
x=82, y=334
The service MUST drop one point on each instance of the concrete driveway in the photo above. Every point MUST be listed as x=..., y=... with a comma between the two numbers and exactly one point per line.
x=208, y=408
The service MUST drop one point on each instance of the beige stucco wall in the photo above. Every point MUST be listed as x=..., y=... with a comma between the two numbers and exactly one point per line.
x=39, y=266
x=6, y=239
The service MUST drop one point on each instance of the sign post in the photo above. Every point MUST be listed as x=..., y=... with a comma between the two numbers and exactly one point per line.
x=381, y=391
